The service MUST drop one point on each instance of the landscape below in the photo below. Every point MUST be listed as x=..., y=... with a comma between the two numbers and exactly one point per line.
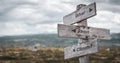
x=54, y=55
x=52, y=40
x=48, y=48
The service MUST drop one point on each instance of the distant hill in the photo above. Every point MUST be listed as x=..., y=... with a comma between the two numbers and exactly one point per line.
x=115, y=35
x=115, y=40
x=51, y=40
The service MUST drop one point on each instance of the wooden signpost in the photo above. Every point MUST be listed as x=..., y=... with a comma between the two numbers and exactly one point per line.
x=88, y=36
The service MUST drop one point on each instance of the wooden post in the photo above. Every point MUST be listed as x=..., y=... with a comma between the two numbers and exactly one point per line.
x=84, y=22
x=82, y=59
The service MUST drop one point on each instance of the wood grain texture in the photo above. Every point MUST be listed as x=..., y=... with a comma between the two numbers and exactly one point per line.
x=73, y=31
x=86, y=47
x=81, y=14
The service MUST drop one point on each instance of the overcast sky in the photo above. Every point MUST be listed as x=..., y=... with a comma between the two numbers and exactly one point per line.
x=42, y=16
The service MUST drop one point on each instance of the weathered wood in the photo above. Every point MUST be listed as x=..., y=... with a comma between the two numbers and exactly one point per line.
x=81, y=14
x=82, y=23
x=81, y=49
x=84, y=59
x=73, y=31
x=78, y=7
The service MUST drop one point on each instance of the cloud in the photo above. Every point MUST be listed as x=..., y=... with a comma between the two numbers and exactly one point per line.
x=18, y=28
x=12, y=28
x=114, y=2
x=116, y=19
x=42, y=16
x=106, y=19
x=108, y=5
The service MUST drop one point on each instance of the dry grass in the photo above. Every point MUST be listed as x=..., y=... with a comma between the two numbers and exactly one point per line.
x=53, y=55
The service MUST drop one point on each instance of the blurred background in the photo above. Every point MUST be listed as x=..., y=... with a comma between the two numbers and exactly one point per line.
x=29, y=27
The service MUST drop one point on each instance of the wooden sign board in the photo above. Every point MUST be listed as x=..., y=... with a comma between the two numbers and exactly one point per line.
x=84, y=48
x=73, y=31
x=81, y=14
